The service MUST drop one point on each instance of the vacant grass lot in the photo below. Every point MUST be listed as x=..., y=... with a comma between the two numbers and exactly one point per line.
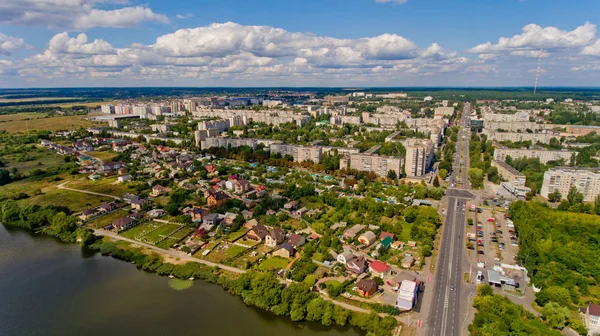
x=273, y=264
x=104, y=156
x=107, y=219
x=163, y=231
x=40, y=158
x=165, y=244
x=75, y=201
x=58, y=123
x=21, y=116
x=140, y=230
x=107, y=185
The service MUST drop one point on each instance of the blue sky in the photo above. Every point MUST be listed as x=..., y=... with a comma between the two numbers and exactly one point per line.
x=287, y=42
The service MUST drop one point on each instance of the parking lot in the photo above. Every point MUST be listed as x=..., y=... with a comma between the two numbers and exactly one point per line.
x=494, y=243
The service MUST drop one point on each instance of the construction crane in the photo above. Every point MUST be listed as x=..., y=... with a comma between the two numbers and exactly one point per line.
x=537, y=73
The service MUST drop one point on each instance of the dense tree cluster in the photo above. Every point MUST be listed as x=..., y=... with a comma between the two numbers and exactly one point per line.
x=560, y=250
x=498, y=316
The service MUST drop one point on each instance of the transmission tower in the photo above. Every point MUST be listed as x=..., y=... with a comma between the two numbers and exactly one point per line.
x=537, y=73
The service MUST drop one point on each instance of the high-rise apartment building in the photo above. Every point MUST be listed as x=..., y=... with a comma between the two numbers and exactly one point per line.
x=419, y=155
x=561, y=179
x=545, y=156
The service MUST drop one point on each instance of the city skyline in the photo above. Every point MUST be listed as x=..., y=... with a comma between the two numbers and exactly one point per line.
x=364, y=43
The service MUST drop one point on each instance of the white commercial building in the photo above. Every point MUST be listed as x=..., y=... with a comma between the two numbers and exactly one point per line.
x=407, y=295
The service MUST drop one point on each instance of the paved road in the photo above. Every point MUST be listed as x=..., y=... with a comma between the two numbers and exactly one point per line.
x=62, y=186
x=445, y=312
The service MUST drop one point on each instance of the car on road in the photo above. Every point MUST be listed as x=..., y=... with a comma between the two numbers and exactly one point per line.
x=480, y=252
x=451, y=287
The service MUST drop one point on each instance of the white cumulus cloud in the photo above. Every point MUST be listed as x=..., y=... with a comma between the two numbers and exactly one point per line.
x=75, y=14
x=8, y=44
x=536, y=37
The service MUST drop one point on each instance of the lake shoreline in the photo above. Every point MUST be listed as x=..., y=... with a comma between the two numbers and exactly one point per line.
x=153, y=263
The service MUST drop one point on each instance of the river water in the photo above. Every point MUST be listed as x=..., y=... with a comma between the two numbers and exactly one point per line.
x=50, y=288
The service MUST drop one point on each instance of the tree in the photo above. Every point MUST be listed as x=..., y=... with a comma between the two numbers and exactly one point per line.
x=492, y=175
x=486, y=290
x=597, y=205
x=443, y=173
x=554, y=196
x=392, y=174
x=574, y=196
x=4, y=177
x=475, y=176
x=555, y=315
x=436, y=181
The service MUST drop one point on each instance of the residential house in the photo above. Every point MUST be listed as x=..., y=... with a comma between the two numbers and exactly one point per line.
x=301, y=211
x=211, y=220
x=285, y=250
x=296, y=240
x=211, y=169
x=345, y=257
x=241, y=186
x=88, y=214
x=229, y=217
x=257, y=233
x=123, y=223
x=108, y=207
x=358, y=265
x=386, y=242
x=366, y=287
x=128, y=198
x=158, y=190
x=138, y=204
x=275, y=237
x=353, y=231
x=380, y=269
x=592, y=319
x=384, y=234
x=247, y=214
x=408, y=261
x=216, y=199
x=155, y=213
x=367, y=238
x=291, y=205
x=198, y=213
x=250, y=224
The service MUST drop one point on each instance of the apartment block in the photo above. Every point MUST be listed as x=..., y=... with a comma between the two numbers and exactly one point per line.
x=509, y=174
x=381, y=165
x=561, y=179
x=515, y=136
x=226, y=142
x=107, y=109
x=419, y=155
x=312, y=153
x=545, y=156
x=272, y=117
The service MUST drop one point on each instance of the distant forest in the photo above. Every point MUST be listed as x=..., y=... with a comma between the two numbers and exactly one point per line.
x=465, y=94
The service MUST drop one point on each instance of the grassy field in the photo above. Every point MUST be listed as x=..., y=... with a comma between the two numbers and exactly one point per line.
x=183, y=233
x=107, y=219
x=105, y=186
x=236, y=235
x=104, y=156
x=51, y=123
x=75, y=201
x=41, y=158
x=273, y=264
x=35, y=99
x=161, y=232
x=139, y=230
x=235, y=251
x=21, y=116
x=165, y=244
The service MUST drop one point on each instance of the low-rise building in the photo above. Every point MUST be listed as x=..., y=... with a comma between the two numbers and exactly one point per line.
x=366, y=287
x=380, y=269
x=274, y=237
x=407, y=295
x=285, y=250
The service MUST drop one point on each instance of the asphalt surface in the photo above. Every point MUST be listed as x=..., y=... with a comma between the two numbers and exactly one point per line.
x=445, y=312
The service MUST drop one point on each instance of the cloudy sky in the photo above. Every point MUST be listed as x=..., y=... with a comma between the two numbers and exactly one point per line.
x=66, y=43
